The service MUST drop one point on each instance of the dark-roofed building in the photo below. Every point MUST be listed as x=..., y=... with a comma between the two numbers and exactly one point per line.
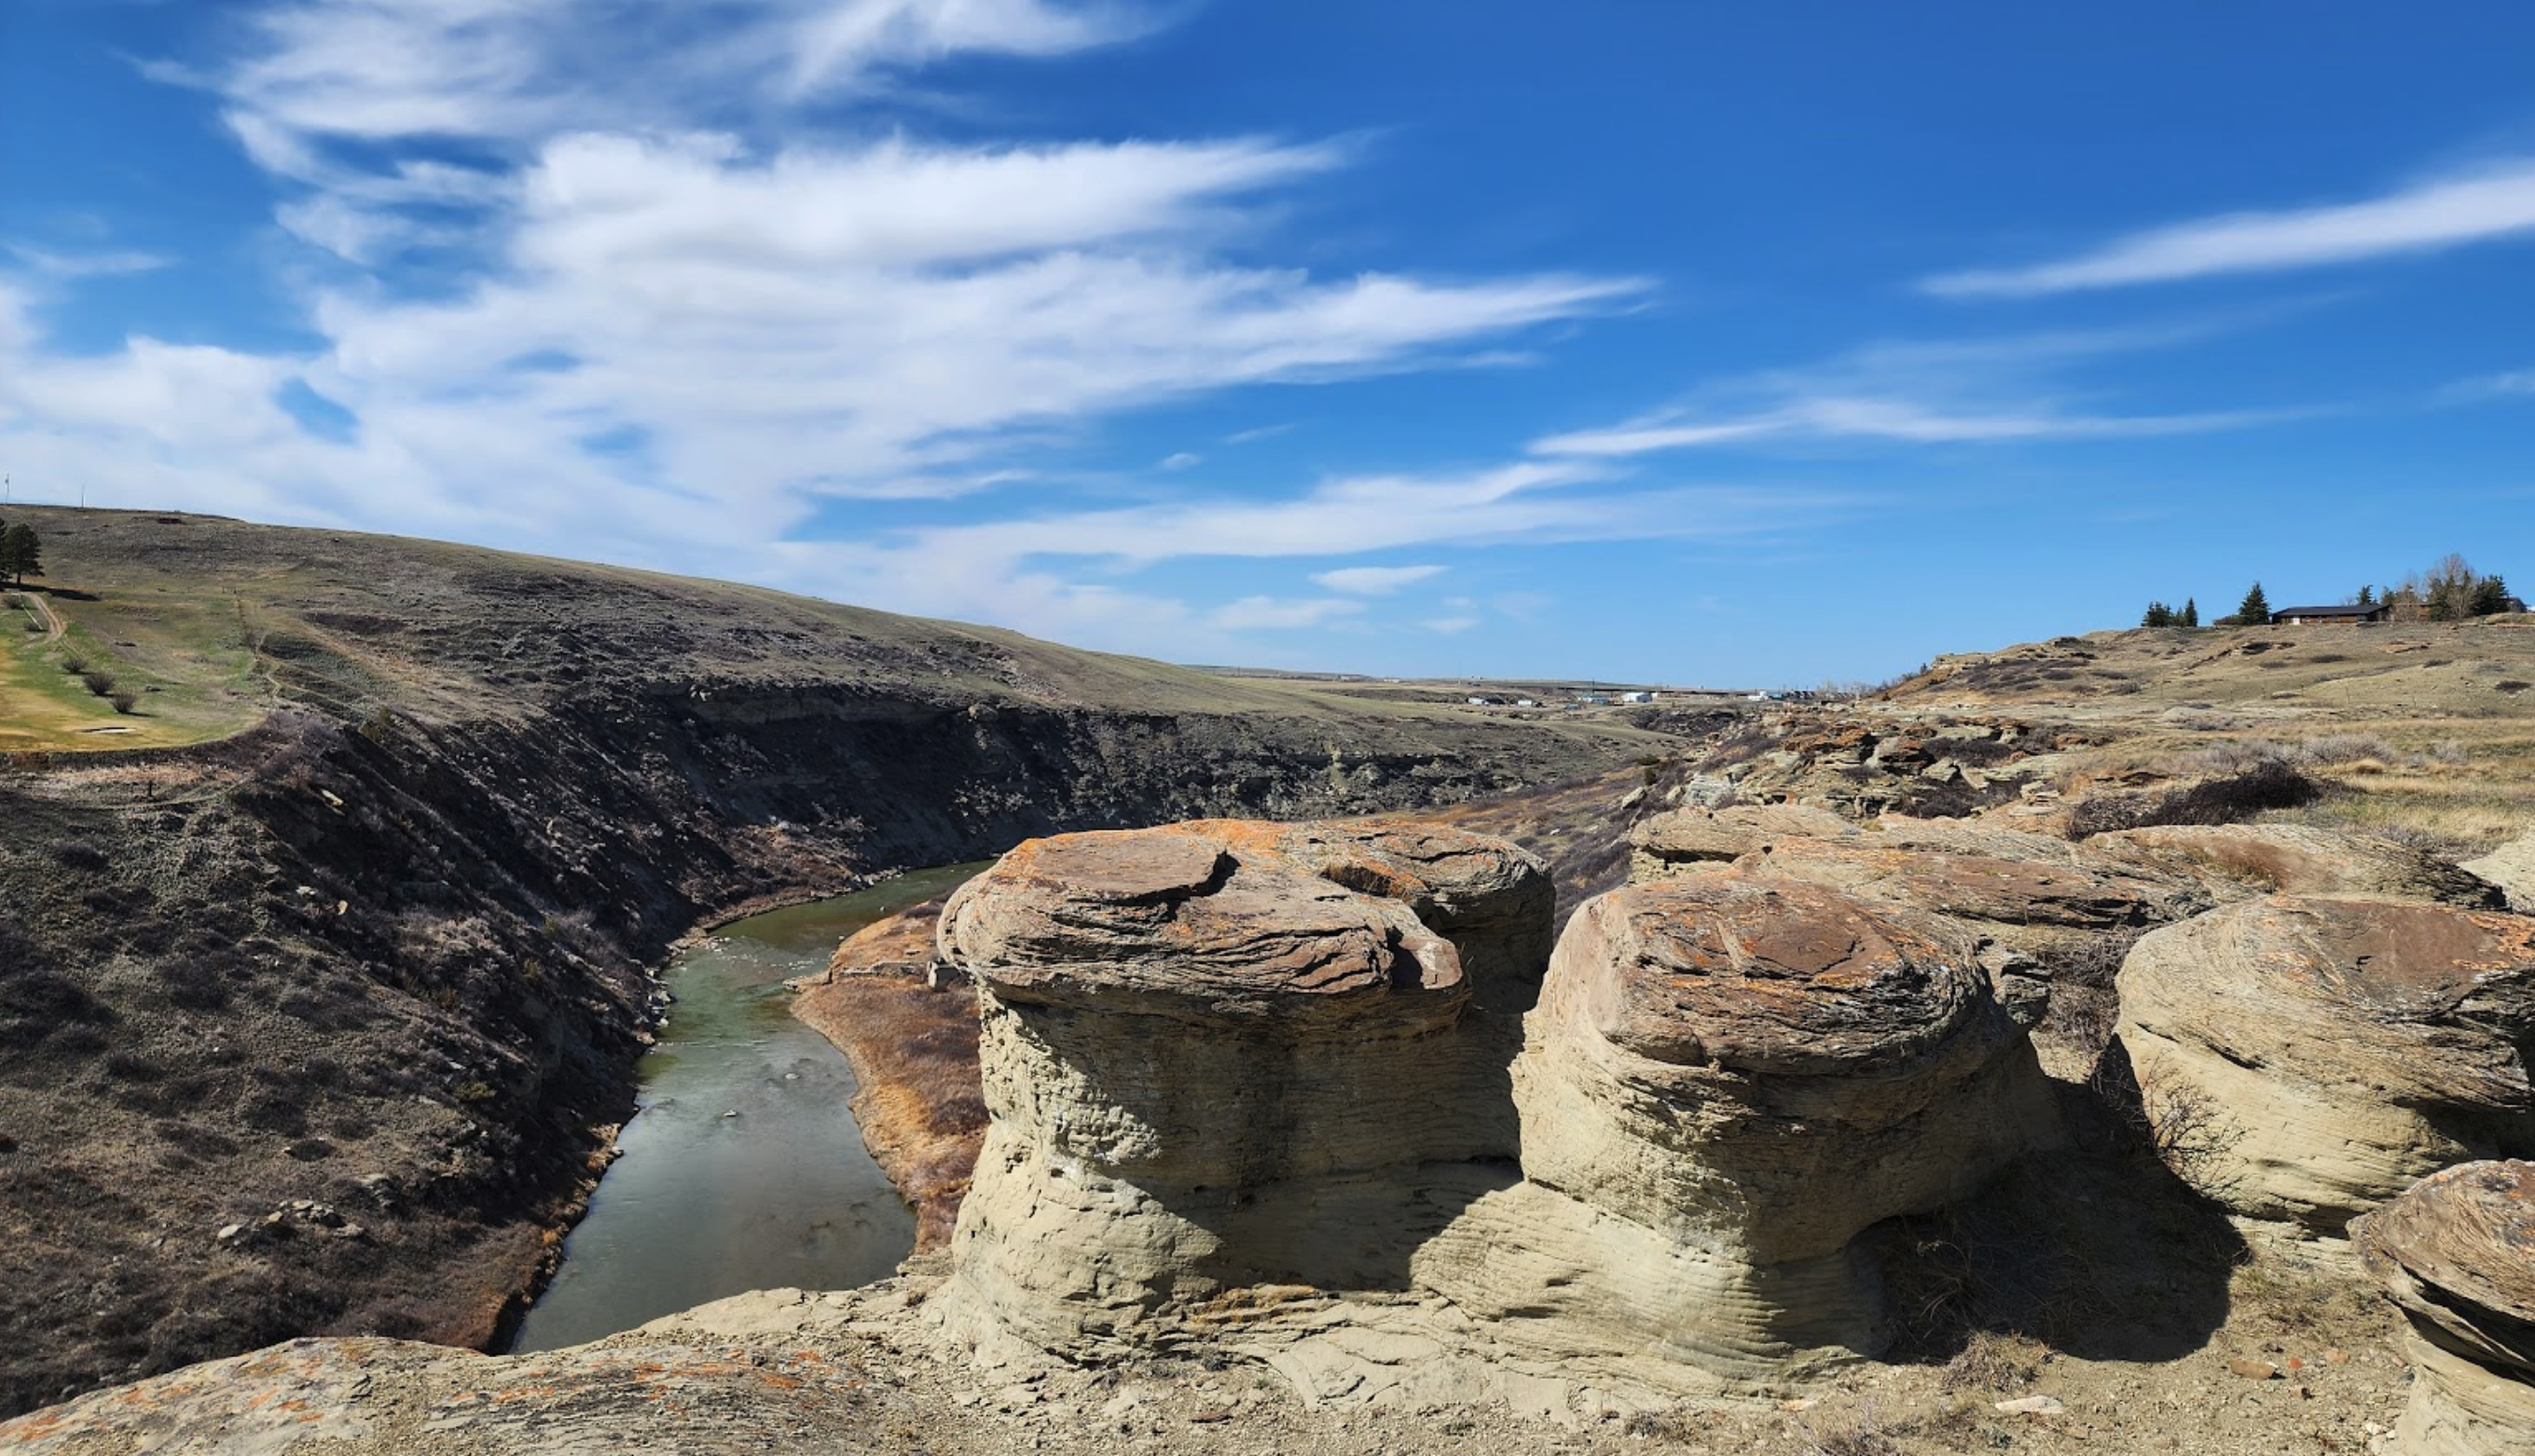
x=2346, y=612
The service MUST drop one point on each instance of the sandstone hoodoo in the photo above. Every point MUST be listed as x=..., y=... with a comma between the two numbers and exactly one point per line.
x=1725, y=1083
x=1219, y=1054
x=1256, y=1084
x=2305, y=1060
x=2456, y=1254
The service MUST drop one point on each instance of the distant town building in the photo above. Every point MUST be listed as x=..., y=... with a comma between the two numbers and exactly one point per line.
x=1637, y=697
x=2303, y=616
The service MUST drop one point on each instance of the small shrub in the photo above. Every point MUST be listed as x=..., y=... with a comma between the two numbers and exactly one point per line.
x=79, y=854
x=2271, y=783
x=74, y=664
x=123, y=701
x=98, y=681
x=2349, y=747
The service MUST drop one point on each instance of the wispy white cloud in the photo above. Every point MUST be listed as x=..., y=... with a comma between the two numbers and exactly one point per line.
x=1957, y=391
x=1019, y=570
x=1180, y=461
x=1375, y=580
x=1252, y=613
x=2497, y=201
x=50, y=263
x=2514, y=383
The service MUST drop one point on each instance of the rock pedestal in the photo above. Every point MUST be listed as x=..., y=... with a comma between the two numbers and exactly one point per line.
x=1724, y=1085
x=1221, y=1055
x=2308, y=1059
x=2456, y=1254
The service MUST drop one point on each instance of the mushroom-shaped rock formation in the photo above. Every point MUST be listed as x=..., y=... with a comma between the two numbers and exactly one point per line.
x=1224, y=1054
x=2456, y=1254
x=1725, y=1082
x=2238, y=861
x=1689, y=840
x=2308, y=1059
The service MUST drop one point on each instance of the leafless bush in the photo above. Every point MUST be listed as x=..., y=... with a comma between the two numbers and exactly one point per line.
x=74, y=664
x=98, y=681
x=2193, y=1136
x=2084, y=1007
x=2348, y=747
x=2448, y=750
x=123, y=701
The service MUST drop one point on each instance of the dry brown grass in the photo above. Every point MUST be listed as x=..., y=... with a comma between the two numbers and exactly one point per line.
x=922, y=1109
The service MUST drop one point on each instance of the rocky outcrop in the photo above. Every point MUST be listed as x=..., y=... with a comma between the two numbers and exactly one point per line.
x=2032, y=906
x=1685, y=840
x=2238, y=861
x=1725, y=1083
x=1252, y=1078
x=2511, y=866
x=2456, y=1254
x=2308, y=1059
x=1224, y=1054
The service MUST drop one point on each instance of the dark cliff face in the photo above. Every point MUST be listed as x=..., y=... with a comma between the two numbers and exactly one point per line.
x=323, y=1028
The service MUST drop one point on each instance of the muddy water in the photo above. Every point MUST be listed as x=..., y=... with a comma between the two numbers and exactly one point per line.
x=743, y=1169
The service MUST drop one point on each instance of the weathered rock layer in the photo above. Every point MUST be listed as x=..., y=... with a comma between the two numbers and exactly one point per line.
x=2456, y=1254
x=2308, y=1059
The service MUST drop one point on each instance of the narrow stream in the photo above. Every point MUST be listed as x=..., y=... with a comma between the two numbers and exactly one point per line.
x=743, y=1168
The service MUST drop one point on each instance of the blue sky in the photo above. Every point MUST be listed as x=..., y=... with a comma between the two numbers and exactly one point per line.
x=1752, y=344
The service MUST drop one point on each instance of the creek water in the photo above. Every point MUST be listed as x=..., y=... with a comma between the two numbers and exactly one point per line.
x=742, y=1168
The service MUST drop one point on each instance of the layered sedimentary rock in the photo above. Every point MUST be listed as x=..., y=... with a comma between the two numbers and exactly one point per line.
x=2456, y=1254
x=1221, y=1053
x=1725, y=1083
x=2238, y=861
x=2308, y=1059
x=2030, y=904
x=2035, y=904
x=2511, y=866
x=1688, y=840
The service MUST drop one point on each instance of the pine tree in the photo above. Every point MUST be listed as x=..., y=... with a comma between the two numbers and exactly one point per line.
x=2490, y=595
x=2158, y=615
x=2191, y=613
x=2366, y=596
x=21, y=552
x=2255, y=609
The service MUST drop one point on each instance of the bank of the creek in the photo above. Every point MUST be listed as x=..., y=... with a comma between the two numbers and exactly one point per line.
x=743, y=1169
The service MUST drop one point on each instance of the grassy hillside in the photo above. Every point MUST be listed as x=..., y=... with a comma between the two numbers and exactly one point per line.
x=2427, y=728
x=214, y=620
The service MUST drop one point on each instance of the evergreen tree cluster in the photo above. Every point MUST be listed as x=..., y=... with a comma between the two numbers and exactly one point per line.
x=21, y=552
x=2161, y=615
